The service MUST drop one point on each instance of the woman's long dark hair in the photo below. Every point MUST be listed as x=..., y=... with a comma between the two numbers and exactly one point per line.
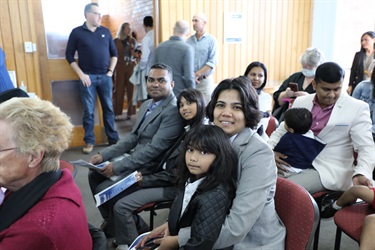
x=370, y=34
x=223, y=169
x=362, y=52
x=193, y=95
x=261, y=65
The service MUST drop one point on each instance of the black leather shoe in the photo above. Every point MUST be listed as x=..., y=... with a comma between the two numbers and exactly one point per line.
x=114, y=243
x=327, y=209
x=105, y=228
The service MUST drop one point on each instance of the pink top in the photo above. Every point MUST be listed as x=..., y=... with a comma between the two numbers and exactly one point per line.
x=320, y=117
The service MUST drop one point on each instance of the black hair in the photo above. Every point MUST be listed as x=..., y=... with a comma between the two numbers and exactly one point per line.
x=163, y=66
x=193, y=95
x=148, y=21
x=299, y=119
x=88, y=7
x=223, y=169
x=373, y=84
x=370, y=34
x=329, y=72
x=261, y=65
x=249, y=99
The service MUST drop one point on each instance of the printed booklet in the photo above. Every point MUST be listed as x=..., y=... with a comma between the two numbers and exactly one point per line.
x=115, y=189
x=83, y=163
x=149, y=245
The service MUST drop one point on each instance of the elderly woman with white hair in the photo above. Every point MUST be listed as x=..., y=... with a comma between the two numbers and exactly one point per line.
x=42, y=207
x=299, y=83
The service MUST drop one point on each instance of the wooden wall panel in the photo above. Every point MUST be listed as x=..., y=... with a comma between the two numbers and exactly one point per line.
x=277, y=33
x=6, y=39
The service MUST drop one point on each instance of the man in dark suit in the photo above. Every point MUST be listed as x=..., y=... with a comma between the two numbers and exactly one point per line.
x=157, y=127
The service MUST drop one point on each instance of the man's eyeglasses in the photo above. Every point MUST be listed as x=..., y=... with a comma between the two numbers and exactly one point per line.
x=96, y=13
x=7, y=149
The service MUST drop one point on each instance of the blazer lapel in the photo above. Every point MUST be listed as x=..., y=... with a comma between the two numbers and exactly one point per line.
x=155, y=113
x=174, y=217
x=141, y=114
x=337, y=111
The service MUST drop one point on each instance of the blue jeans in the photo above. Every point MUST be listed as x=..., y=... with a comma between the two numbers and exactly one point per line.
x=101, y=84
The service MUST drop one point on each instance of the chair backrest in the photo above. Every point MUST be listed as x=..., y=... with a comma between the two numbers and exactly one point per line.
x=272, y=125
x=299, y=213
x=10, y=93
x=70, y=167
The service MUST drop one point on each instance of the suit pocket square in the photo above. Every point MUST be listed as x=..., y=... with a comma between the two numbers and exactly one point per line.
x=342, y=125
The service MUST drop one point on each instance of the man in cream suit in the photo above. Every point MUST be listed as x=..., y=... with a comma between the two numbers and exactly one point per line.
x=344, y=124
x=157, y=127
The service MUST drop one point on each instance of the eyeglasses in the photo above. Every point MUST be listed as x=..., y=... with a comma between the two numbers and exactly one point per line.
x=7, y=149
x=96, y=13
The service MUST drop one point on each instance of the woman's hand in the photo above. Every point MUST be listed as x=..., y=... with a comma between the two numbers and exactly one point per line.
x=289, y=93
x=349, y=90
x=279, y=159
x=300, y=93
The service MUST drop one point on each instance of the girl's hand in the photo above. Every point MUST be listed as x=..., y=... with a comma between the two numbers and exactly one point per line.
x=167, y=243
x=156, y=233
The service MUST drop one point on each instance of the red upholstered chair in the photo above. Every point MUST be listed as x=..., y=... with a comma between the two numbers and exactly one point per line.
x=70, y=167
x=272, y=125
x=350, y=220
x=299, y=213
x=152, y=207
x=318, y=197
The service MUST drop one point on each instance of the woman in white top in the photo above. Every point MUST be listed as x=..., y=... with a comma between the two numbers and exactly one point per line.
x=257, y=72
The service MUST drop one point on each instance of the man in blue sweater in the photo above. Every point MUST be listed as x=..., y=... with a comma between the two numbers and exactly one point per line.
x=97, y=59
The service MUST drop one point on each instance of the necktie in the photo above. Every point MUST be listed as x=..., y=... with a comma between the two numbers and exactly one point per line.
x=1, y=196
x=149, y=111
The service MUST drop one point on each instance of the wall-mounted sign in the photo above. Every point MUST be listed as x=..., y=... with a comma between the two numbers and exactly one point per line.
x=234, y=27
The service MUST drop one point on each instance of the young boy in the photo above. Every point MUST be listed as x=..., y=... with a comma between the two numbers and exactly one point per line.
x=331, y=206
x=349, y=196
x=299, y=144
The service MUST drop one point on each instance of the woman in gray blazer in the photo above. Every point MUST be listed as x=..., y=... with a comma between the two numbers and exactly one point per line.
x=252, y=222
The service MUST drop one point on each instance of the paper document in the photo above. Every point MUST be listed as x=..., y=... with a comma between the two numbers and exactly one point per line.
x=82, y=163
x=149, y=245
x=115, y=189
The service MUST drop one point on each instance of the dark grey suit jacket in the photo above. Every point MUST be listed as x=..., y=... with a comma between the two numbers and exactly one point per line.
x=148, y=143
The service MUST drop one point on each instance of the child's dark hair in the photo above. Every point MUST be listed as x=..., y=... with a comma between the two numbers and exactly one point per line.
x=299, y=119
x=193, y=95
x=223, y=169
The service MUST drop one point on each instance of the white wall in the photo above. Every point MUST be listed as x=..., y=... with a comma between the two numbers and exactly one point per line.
x=338, y=26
